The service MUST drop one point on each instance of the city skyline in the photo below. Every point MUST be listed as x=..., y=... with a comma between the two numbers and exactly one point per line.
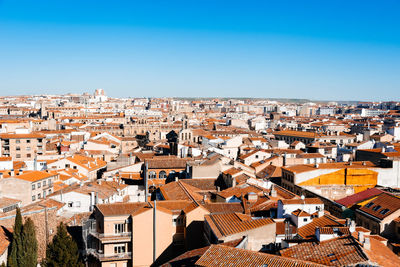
x=332, y=51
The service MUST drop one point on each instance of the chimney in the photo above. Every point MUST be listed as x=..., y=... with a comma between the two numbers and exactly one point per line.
x=176, y=179
x=361, y=237
x=321, y=213
x=12, y=173
x=364, y=163
x=367, y=243
x=317, y=234
x=273, y=192
x=204, y=198
x=218, y=189
x=233, y=182
x=251, y=196
x=99, y=182
x=352, y=227
x=316, y=165
x=383, y=149
x=1, y=175
x=21, y=171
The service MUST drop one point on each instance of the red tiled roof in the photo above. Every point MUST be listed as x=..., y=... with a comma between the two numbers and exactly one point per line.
x=226, y=224
x=361, y=196
x=382, y=206
x=340, y=251
x=220, y=255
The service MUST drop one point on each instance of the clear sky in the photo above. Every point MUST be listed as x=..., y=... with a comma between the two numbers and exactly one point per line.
x=322, y=50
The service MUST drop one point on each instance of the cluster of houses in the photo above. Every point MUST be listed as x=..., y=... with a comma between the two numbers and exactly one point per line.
x=168, y=182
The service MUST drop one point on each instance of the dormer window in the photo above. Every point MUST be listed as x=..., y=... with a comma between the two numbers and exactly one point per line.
x=384, y=211
x=376, y=208
x=369, y=204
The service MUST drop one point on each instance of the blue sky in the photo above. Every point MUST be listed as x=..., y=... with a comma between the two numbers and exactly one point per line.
x=322, y=50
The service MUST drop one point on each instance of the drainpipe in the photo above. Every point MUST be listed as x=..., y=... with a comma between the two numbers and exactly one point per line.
x=154, y=230
x=146, y=183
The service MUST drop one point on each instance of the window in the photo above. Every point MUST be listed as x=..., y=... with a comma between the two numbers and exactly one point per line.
x=305, y=219
x=28, y=141
x=67, y=166
x=17, y=141
x=28, y=148
x=163, y=175
x=44, y=183
x=152, y=175
x=18, y=156
x=28, y=155
x=33, y=198
x=17, y=148
x=33, y=187
x=70, y=204
x=39, y=185
x=119, y=228
x=369, y=204
x=119, y=249
x=376, y=208
x=384, y=211
x=39, y=196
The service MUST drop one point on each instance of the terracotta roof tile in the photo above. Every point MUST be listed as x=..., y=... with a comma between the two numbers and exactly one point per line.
x=220, y=255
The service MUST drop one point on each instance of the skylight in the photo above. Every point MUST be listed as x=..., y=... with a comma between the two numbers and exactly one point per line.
x=369, y=204
x=384, y=211
x=376, y=208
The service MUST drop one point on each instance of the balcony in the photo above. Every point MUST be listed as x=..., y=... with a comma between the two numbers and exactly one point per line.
x=114, y=257
x=112, y=238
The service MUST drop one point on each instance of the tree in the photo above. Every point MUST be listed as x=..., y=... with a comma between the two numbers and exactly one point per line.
x=62, y=251
x=29, y=244
x=16, y=243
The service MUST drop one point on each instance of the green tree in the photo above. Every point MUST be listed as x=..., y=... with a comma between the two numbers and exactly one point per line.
x=16, y=243
x=62, y=251
x=29, y=245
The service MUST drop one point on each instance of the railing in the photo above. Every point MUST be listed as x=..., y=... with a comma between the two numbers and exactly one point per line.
x=100, y=255
x=102, y=235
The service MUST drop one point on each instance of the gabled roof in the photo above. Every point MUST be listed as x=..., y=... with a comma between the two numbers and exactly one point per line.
x=359, y=197
x=33, y=176
x=340, y=251
x=308, y=231
x=120, y=209
x=220, y=255
x=238, y=191
x=302, y=201
x=382, y=206
x=180, y=191
x=226, y=224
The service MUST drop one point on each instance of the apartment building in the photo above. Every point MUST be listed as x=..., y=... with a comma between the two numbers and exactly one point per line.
x=92, y=168
x=127, y=234
x=28, y=186
x=22, y=146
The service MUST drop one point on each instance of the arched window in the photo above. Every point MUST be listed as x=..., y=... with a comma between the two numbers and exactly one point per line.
x=162, y=175
x=152, y=175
